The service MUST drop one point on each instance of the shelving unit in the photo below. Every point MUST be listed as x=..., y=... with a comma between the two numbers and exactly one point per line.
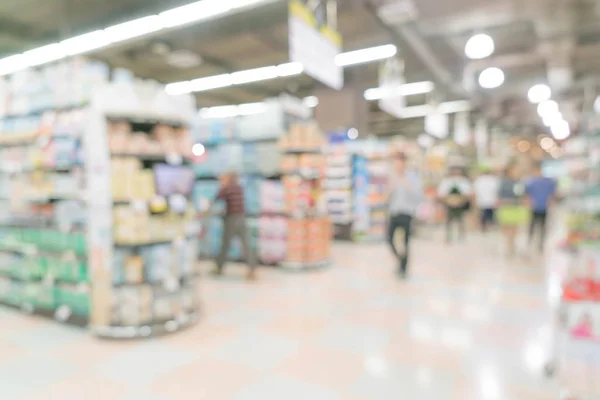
x=247, y=144
x=574, y=274
x=309, y=228
x=64, y=252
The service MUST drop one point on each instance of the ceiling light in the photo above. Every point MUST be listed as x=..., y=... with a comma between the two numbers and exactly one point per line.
x=177, y=88
x=131, y=29
x=200, y=10
x=547, y=107
x=197, y=11
x=84, y=43
x=491, y=78
x=290, y=69
x=12, y=64
x=406, y=89
x=551, y=119
x=211, y=82
x=479, y=46
x=219, y=112
x=352, y=133
x=366, y=55
x=254, y=75
x=547, y=143
x=539, y=93
x=44, y=54
x=560, y=130
x=311, y=101
x=198, y=149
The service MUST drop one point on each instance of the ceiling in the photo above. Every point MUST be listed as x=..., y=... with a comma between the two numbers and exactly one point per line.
x=554, y=41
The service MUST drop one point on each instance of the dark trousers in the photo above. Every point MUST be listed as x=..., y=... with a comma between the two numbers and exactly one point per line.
x=404, y=222
x=235, y=226
x=538, y=220
x=455, y=216
x=487, y=218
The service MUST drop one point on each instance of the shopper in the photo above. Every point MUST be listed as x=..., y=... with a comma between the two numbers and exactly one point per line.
x=511, y=212
x=455, y=192
x=540, y=192
x=234, y=223
x=486, y=188
x=406, y=193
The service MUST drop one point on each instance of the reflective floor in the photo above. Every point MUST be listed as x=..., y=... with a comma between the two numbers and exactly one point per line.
x=466, y=325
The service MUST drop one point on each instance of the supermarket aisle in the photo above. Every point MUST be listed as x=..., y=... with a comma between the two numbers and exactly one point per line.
x=466, y=326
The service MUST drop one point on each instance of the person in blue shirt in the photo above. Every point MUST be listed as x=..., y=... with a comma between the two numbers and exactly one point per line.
x=540, y=192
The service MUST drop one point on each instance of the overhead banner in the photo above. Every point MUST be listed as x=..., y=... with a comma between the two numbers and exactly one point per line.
x=391, y=77
x=314, y=43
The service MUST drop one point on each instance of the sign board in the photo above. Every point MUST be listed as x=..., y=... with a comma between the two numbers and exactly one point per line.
x=314, y=43
x=391, y=77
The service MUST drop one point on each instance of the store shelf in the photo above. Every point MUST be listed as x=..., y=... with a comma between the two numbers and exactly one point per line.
x=73, y=319
x=146, y=119
x=150, y=330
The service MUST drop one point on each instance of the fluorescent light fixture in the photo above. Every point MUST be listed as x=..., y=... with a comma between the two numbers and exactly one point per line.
x=311, y=101
x=200, y=10
x=219, y=112
x=449, y=107
x=479, y=46
x=547, y=107
x=233, y=110
x=539, y=93
x=254, y=75
x=178, y=88
x=211, y=82
x=290, y=69
x=366, y=55
x=84, y=43
x=135, y=28
x=251, y=108
x=406, y=89
x=44, y=54
x=551, y=119
x=12, y=64
x=491, y=78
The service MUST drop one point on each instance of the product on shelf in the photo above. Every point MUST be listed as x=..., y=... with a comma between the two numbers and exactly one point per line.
x=95, y=209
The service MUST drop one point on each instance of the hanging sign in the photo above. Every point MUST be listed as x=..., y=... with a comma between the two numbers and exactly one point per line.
x=391, y=78
x=436, y=124
x=462, y=133
x=314, y=42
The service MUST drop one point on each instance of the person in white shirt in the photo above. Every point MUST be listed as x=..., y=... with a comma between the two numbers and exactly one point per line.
x=486, y=187
x=455, y=192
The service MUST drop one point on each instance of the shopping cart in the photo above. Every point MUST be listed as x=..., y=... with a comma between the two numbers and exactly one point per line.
x=575, y=333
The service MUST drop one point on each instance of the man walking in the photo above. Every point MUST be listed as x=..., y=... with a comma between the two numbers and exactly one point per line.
x=540, y=191
x=234, y=222
x=486, y=188
x=406, y=193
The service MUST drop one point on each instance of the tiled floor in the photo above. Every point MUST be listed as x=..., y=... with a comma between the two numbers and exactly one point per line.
x=466, y=326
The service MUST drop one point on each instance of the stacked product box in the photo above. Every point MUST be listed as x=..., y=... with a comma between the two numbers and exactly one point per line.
x=308, y=241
